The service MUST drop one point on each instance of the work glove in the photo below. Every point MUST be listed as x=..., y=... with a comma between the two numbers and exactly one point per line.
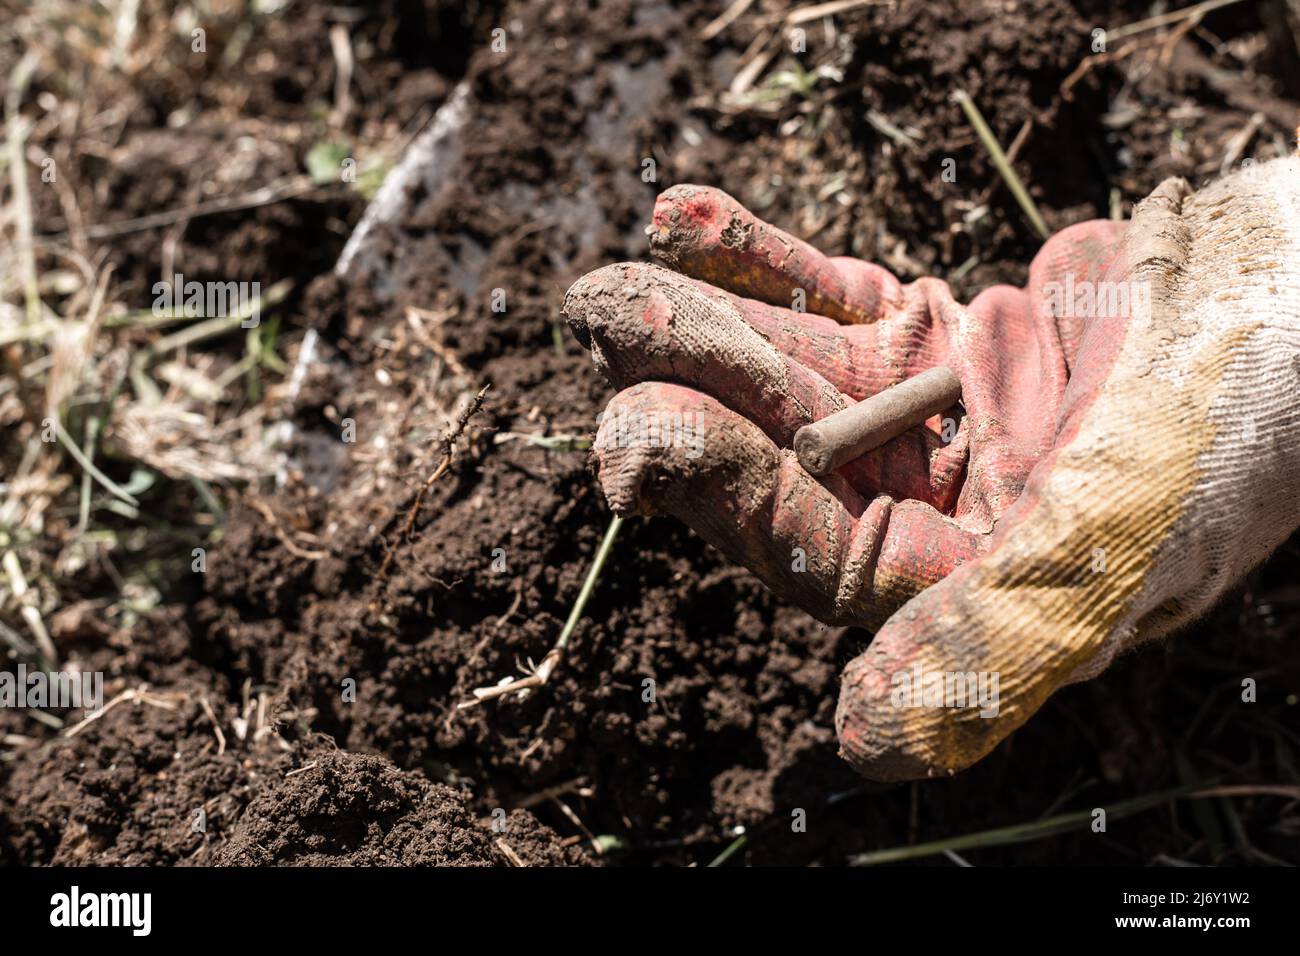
x=1126, y=446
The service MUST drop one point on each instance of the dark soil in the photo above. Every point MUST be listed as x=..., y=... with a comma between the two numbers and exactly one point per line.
x=549, y=185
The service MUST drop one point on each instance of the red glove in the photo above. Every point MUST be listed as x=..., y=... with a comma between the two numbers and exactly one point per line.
x=718, y=371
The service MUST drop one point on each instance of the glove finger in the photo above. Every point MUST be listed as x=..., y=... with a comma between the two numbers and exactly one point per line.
x=665, y=448
x=706, y=234
x=1013, y=349
x=963, y=665
x=849, y=320
x=857, y=360
x=645, y=323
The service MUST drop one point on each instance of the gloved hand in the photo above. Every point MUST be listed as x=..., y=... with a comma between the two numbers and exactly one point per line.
x=1128, y=447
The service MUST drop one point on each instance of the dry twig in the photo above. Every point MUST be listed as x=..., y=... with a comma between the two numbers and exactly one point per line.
x=448, y=454
x=216, y=726
x=290, y=545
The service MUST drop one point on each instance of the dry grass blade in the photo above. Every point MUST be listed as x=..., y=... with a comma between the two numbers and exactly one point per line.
x=184, y=444
x=276, y=192
x=725, y=19
x=18, y=80
x=818, y=10
x=139, y=695
x=1000, y=161
x=732, y=849
x=1195, y=11
x=1024, y=832
x=31, y=614
x=80, y=457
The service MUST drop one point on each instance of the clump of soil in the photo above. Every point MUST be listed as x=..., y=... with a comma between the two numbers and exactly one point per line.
x=144, y=785
x=691, y=705
x=354, y=810
x=126, y=790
